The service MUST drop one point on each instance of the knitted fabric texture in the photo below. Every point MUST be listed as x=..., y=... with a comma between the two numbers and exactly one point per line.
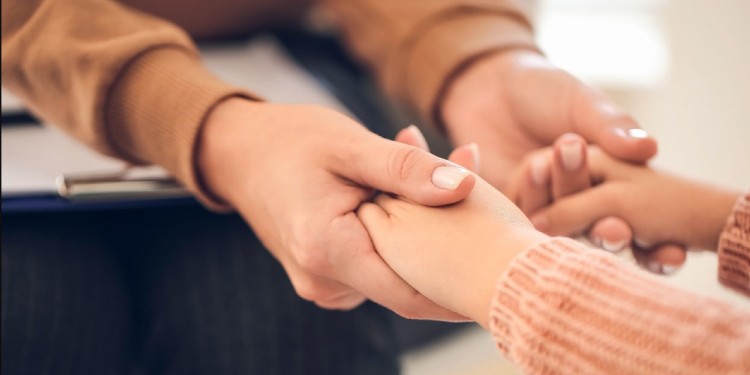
x=562, y=308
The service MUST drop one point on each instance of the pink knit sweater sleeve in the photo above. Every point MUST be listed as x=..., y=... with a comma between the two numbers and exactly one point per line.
x=734, y=248
x=562, y=308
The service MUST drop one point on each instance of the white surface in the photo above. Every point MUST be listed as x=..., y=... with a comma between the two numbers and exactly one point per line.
x=32, y=157
x=263, y=67
x=618, y=44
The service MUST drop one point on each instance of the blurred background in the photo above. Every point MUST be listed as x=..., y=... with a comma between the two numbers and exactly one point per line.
x=682, y=69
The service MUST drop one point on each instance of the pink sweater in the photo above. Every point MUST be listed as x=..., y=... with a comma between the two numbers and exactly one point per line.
x=562, y=308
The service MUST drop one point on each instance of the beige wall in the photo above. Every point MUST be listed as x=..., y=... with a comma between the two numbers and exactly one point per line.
x=701, y=115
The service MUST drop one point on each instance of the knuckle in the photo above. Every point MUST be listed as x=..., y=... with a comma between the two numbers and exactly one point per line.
x=311, y=290
x=309, y=251
x=310, y=257
x=403, y=161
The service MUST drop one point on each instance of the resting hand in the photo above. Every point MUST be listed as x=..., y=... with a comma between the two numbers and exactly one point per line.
x=660, y=208
x=297, y=174
x=514, y=102
x=452, y=255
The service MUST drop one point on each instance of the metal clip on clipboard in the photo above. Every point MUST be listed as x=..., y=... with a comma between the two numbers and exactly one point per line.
x=119, y=186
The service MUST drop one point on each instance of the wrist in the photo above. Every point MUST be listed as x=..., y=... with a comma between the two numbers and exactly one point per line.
x=723, y=205
x=472, y=88
x=505, y=250
x=216, y=143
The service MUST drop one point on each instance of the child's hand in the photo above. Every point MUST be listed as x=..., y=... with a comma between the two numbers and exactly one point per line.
x=552, y=173
x=659, y=207
x=452, y=255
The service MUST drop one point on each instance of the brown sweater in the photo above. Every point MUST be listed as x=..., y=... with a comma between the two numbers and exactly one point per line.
x=131, y=85
x=561, y=308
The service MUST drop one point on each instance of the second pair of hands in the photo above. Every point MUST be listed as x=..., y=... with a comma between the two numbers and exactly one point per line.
x=454, y=255
x=298, y=173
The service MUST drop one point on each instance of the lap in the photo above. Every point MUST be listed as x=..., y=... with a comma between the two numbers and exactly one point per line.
x=205, y=296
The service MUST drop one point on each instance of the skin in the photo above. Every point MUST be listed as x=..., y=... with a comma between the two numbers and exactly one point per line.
x=277, y=166
x=256, y=157
x=544, y=177
x=515, y=102
x=455, y=254
x=660, y=207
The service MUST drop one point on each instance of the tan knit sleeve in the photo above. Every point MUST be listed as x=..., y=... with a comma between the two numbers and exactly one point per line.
x=125, y=83
x=734, y=248
x=417, y=47
x=561, y=308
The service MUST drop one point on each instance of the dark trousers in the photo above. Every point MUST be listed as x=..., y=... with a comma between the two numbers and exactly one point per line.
x=168, y=291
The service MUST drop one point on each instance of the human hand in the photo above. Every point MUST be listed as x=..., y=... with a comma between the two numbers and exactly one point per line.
x=659, y=207
x=551, y=173
x=513, y=102
x=297, y=174
x=453, y=255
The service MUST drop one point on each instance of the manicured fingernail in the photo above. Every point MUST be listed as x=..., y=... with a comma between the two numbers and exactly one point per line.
x=613, y=247
x=655, y=267
x=418, y=137
x=668, y=269
x=475, y=155
x=632, y=133
x=572, y=155
x=540, y=223
x=642, y=244
x=539, y=171
x=448, y=177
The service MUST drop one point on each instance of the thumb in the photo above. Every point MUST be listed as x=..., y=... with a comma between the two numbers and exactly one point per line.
x=408, y=171
x=600, y=121
x=411, y=135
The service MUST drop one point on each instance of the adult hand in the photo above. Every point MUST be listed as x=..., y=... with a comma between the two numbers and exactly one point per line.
x=297, y=174
x=514, y=102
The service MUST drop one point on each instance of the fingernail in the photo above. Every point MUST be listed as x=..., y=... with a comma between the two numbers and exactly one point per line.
x=475, y=155
x=448, y=177
x=539, y=171
x=632, y=133
x=571, y=155
x=642, y=243
x=613, y=247
x=540, y=223
x=668, y=269
x=655, y=267
x=419, y=137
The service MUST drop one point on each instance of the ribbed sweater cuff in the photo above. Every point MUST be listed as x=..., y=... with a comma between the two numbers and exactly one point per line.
x=561, y=308
x=734, y=248
x=157, y=107
x=442, y=48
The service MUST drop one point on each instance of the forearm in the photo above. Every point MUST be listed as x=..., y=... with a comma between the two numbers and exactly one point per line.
x=125, y=83
x=562, y=308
